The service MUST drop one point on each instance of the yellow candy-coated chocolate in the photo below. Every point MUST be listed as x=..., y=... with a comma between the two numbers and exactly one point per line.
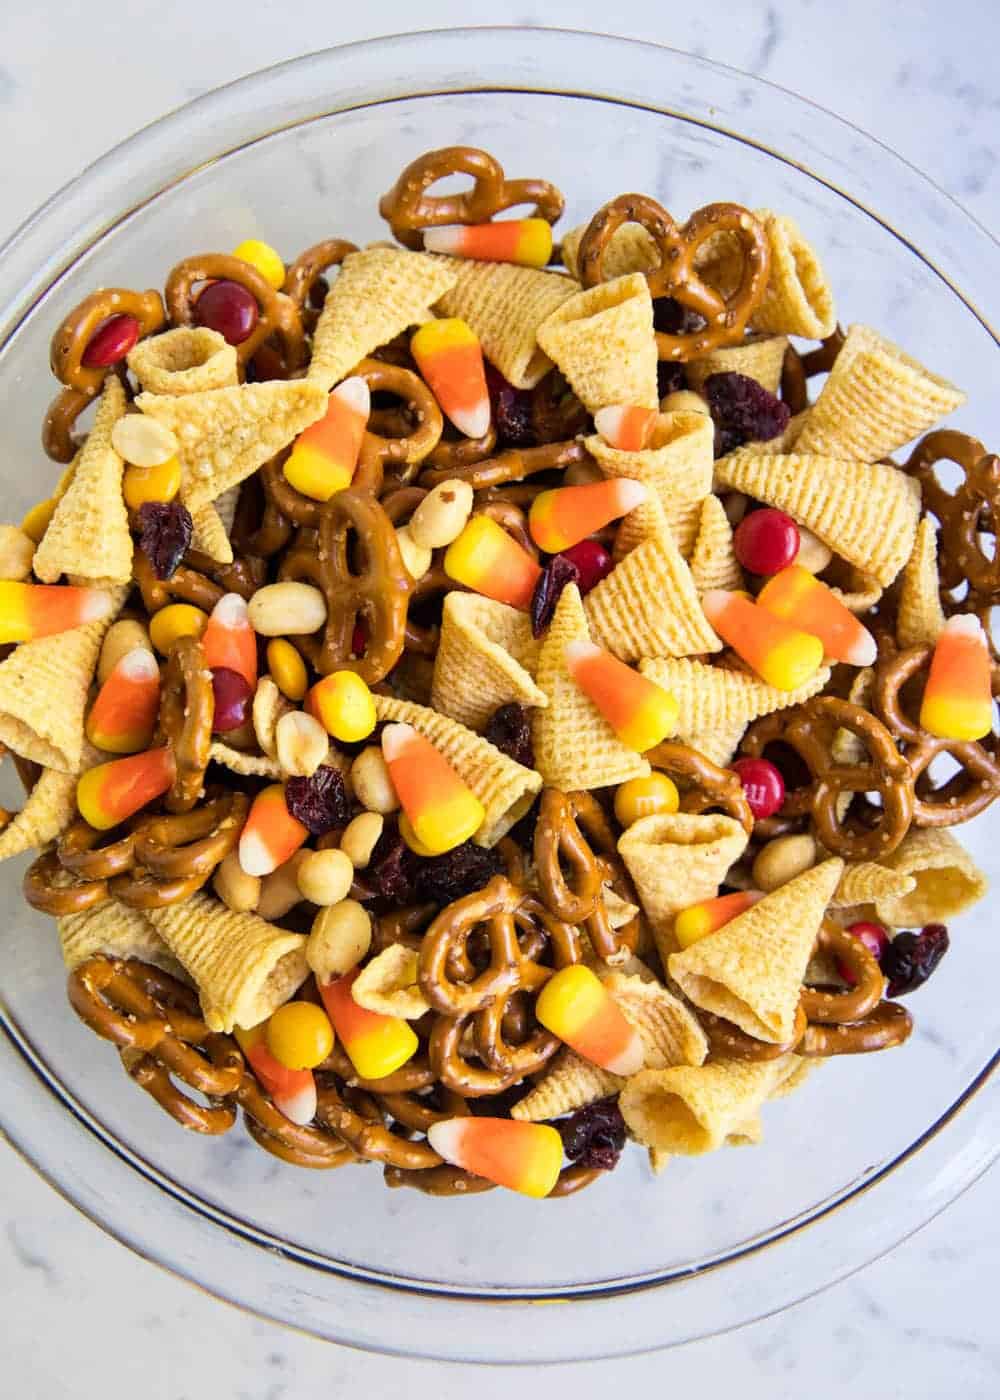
x=140, y=485
x=343, y=704
x=264, y=258
x=653, y=796
x=288, y=670
x=299, y=1035
x=173, y=621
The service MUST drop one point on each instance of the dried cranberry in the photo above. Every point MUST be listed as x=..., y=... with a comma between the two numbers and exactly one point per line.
x=671, y=317
x=594, y=1136
x=232, y=695
x=165, y=535
x=911, y=958
x=553, y=579
x=392, y=867
x=461, y=871
x=592, y=561
x=670, y=378
x=509, y=731
x=320, y=802
x=743, y=411
x=511, y=411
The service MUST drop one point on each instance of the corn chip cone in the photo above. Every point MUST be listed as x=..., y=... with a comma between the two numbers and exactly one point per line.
x=692, y=1109
x=505, y=788
x=751, y=970
x=224, y=435
x=629, y=249
x=244, y=968
x=257, y=765
x=602, y=341
x=187, y=360
x=861, y=592
x=866, y=513
x=485, y=658
x=645, y=523
x=377, y=293
x=659, y=1160
x=575, y=747
x=116, y=931
x=875, y=399
x=505, y=305
x=713, y=560
x=797, y=1075
x=209, y=534
x=759, y=357
x=670, y=1035
x=946, y=877
x=677, y=465
x=48, y=809
x=865, y=881
x=88, y=534
x=678, y=860
x=715, y=699
x=798, y=299
x=919, y=614
x=388, y=984
x=43, y=694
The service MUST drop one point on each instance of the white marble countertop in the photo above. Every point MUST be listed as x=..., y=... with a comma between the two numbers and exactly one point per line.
x=83, y=1316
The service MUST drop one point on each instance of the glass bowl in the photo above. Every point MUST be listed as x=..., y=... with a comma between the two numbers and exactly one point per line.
x=874, y=1147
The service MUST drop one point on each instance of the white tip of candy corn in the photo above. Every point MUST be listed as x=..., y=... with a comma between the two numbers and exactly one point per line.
x=444, y=240
x=231, y=611
x=95, y=605
x=254, y=856
x=715, y=602
x=473, y=422
x=965, y=625
x=863, y=651
x=631, y=1059
x=354, y=392
x=575, y=652
x=300, y=1106
x=447, y=1139
x=139, y=664
x=395, y=740
x=630, y=493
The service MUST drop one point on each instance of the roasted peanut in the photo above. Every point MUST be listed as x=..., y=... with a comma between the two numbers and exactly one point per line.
x=287, y=609
x=122, y=637
x=341, y=936
x=279, y=891
x=325, y=877
x=237, y=890
x=441, y=516
x=360, y=836
x=371, y=781
x=17, y=551
x=782, y=859
x=301, y=743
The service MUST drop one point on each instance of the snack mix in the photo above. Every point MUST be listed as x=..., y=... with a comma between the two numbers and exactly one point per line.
x=478, y=700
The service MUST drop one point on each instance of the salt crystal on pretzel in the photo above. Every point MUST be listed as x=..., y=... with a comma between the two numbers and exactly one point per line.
x=919, y=614
x=117, y=931
x=759, y=357
x=875, y=399
x=506, y=789
x=244, y=968
x=377, y=293
x=505, y=305
x=865, y=512
x=947, y=879
x=715, y=698
x=186, y=360
x=694, y=1109
x=224, y=435
x=751, y=971
x=88, y=535
x=713, y=560
x=575, y=747
x=676, y=860
x=602, y=341
x=648, y=604
x=486, y=657
x=677, y=464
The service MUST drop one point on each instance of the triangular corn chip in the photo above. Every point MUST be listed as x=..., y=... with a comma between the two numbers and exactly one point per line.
x=713, y=559
x=865, y=881
x=692, y=1109
x=575, y=747
x=209, y=534
x=48, y=809
x=714, y=699
x=750, y=972
x=602, y=340
x=486, y=657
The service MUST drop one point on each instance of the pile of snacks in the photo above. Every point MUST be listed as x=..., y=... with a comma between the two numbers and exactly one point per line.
x=478, y=702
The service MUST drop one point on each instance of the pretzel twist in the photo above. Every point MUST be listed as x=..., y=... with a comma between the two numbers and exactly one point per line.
x=187, y=711
x=278, y=316
x=707, y=785
x=305, y=284
x=513, y=465
x=964, y=515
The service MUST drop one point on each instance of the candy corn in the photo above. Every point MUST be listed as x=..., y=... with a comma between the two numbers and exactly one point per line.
x=781, y=654
x=524, y=241
x=625, y=426
x=271, y=834
x=293, y=1091
x=113, y=792
x=123, y=716
x=324, y=457
x=376, y=1045
x=958, y=697
x=441, y=809
x=709, y=915
x=525, y=1157
x=575, y=1006
x=563, y=517
x=798, y=597
x=450, y=358
x=229, y=641
x=640, y=712
x=489, y=561
x=32, y=610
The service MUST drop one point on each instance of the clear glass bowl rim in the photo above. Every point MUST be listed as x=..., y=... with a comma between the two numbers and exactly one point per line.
x=46, y=247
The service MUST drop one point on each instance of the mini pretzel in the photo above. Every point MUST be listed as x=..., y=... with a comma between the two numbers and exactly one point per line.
x=397, y=457
x=414, y=1076
x=187, y=710
x=729, y=1042
x=278, y=314
x=974, y=507
x=711, y=786
x=797, y=370
x=408, y=208
x=453, y=453
x=852, y=1003
x=475, y=1081
x=887, y=1026
x=369, y=1137
x=305, y=284
x=47, y=887
x=966, y=793
x=509, y=517
x=810, y=729
x=174, y=856
x=154, y=1021
x=377, y=592
x=83, y=382
x=726, y=316
x=301, y=1144
x=418, y=1112
x=513, y=465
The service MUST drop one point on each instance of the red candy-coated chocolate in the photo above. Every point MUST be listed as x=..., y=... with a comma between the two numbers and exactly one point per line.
x=875, y=939
x=228, y=308
x=232, y=696
x=593, y=561
x=763, y=785
x=766, y=541
x=111, y=342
